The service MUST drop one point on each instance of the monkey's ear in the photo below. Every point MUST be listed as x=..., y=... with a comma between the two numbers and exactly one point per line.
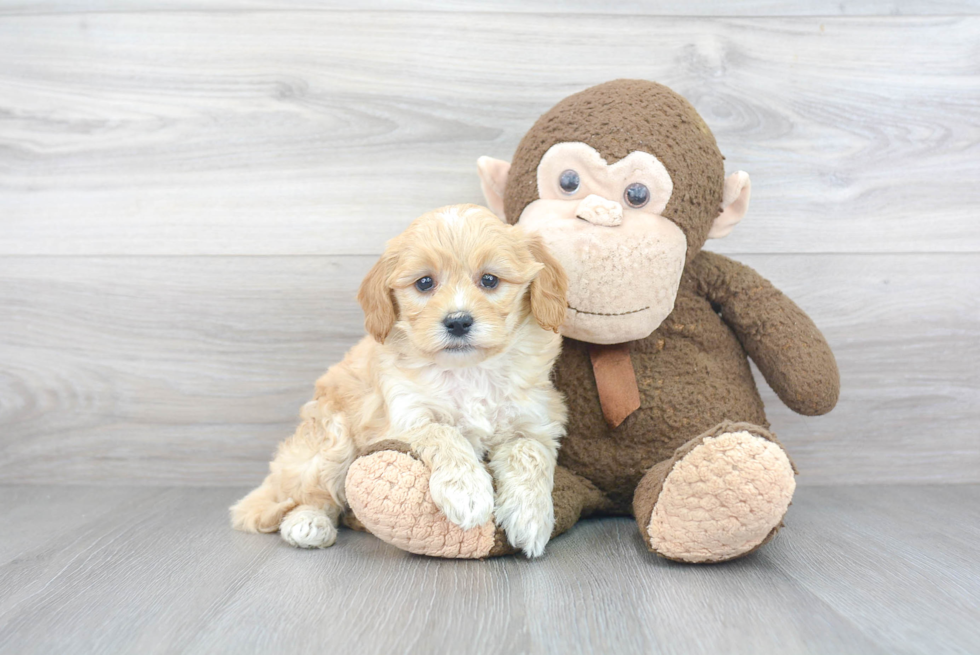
x=734, y=204
x=377, y=302
x=549, y=289
x=493, y=181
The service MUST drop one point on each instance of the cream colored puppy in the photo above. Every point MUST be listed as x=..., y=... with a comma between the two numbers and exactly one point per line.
x=462, y=312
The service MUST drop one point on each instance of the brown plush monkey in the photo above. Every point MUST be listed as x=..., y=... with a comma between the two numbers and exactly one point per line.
x=624, y=181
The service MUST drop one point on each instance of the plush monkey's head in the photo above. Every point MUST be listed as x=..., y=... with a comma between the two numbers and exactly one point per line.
x=624, y=182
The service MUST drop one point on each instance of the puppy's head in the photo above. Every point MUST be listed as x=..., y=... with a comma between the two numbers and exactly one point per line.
x=458, y=283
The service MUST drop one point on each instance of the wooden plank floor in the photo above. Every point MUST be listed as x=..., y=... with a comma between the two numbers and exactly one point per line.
x=114, y=569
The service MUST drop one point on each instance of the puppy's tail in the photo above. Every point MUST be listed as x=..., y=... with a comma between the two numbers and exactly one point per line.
x=261, y=510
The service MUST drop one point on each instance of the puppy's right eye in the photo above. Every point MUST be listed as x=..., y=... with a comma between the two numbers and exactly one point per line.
x=424, y=283
x=569, y=181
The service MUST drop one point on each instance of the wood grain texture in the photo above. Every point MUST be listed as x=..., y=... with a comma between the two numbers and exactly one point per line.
x=312, y=132
x=189, y=370
x=624, y=7
x=857, y=569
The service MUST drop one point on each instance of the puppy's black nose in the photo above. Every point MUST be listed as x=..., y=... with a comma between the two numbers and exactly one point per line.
x=458, y=324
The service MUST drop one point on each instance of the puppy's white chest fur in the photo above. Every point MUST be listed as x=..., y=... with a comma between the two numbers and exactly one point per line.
x=488, y=403
x=482, y=405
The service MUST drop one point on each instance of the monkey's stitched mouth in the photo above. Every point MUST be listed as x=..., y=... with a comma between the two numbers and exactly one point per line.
x=632, y=311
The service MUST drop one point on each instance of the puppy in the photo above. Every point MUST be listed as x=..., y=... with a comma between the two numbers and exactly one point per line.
x=463, y=313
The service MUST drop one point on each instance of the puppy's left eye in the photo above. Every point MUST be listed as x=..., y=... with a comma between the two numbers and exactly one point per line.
x=489, y=281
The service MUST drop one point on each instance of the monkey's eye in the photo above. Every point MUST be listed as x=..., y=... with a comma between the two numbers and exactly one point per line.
x=569, y=181
x=424, y=283
x=637, y=195
x=489, y=281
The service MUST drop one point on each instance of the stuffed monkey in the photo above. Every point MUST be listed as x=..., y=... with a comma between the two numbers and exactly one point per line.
x=625, y=182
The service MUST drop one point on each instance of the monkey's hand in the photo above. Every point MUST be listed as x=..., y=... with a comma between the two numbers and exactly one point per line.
x=780, y=338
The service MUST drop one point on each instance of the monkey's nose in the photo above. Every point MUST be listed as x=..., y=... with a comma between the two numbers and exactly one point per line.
x=599, y=211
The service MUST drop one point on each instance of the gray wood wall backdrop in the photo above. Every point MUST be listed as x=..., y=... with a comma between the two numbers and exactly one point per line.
x=190, y=192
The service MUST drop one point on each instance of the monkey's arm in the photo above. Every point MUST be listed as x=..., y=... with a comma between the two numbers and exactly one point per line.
x=779, y=337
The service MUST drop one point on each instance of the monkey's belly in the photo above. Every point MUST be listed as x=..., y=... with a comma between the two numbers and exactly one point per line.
x=692, y=374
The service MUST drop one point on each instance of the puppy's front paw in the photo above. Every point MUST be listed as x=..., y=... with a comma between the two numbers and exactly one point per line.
x=308, y=528
x=527, y=521
x=464, y=494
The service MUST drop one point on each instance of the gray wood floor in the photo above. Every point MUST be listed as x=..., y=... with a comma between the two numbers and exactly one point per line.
x=123, y=570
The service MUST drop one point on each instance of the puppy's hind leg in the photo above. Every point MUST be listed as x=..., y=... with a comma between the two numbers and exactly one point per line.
x=261, y=510
x=303, y=526
x=303, y=494
x=308, y=526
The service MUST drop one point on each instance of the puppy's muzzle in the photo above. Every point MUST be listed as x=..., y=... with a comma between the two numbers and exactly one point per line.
x=458, y=324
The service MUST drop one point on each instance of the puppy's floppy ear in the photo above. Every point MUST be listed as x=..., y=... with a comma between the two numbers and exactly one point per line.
x=377, y=301
x=549, y=288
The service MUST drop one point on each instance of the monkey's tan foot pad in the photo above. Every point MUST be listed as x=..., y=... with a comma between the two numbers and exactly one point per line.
x=722, y=499
x=389, y=493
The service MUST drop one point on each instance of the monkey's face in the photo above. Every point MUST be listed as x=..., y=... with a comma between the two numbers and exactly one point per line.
x=623, y=182
x=603, y=223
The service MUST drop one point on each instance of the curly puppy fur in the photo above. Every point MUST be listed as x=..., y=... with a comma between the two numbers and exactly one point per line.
x=456, y=394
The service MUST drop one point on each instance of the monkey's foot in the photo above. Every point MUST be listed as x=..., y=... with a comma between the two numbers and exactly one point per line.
x=388, y=491
x=721, y=496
